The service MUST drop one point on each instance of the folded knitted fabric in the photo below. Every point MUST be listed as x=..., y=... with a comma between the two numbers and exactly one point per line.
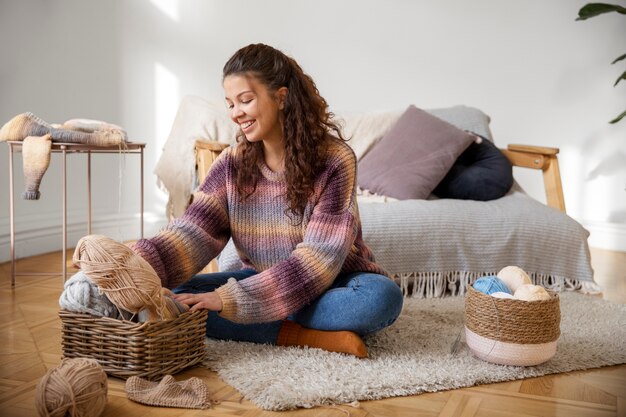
x=190, y=393
x=36, y=157
x=90, y=125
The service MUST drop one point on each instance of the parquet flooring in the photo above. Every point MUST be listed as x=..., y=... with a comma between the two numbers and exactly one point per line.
x=30, y=344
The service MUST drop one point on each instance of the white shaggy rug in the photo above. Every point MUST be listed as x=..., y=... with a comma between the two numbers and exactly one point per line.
x=412, y=356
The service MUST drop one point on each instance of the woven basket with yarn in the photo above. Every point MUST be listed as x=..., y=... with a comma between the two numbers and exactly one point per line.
x=509, y=331
x=149, y=350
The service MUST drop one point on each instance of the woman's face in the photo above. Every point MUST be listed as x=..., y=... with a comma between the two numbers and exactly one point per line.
x=254, y=108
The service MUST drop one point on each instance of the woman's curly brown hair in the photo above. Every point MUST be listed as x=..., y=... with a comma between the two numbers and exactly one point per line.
x=306, y=123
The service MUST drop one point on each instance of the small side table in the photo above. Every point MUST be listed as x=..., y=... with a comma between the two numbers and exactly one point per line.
x=64, y=149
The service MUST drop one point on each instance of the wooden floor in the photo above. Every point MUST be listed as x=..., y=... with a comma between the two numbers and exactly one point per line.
x=30, y=345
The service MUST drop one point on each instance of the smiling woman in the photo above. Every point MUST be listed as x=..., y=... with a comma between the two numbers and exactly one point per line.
x=286, y=195
x=257, y=112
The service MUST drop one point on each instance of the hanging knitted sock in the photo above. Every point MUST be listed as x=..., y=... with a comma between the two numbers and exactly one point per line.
x=292, y=334
x=36, y=156
x=27, y=124
x=191, y=393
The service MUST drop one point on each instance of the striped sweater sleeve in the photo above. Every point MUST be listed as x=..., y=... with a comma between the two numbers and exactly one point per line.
x=289, y=285
x=188, y=243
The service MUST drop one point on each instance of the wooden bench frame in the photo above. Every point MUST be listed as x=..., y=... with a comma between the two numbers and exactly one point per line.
x=535, y=157
x=545, y=159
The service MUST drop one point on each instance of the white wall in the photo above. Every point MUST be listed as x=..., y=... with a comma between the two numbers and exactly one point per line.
x=544, y=79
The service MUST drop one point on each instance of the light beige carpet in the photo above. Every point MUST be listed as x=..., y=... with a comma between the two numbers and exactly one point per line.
x=412, y=356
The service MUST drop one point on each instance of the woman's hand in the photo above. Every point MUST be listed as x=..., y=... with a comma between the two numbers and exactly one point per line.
x=207, y=300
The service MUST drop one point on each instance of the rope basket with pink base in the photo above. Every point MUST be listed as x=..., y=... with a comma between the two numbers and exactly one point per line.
x=509, y=331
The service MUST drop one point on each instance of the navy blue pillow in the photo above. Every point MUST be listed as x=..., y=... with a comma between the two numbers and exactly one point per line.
x=481, y=173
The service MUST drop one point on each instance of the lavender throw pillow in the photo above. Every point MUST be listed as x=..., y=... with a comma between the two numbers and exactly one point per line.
x=413, y=157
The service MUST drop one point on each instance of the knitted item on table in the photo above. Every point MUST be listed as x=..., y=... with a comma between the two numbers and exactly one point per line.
x=90, y=125
x=36, y=157
x=191, y=393
x=27, y=124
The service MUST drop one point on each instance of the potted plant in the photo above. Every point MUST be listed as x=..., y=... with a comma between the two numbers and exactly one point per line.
x=594, y=9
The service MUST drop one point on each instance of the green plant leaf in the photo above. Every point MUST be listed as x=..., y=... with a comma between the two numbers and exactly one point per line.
x=594, y=9
x=618, y=118
x=619, y=58
x=621, y=77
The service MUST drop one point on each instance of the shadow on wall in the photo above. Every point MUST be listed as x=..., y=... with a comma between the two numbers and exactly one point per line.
x=604, y=153
x=613, y=164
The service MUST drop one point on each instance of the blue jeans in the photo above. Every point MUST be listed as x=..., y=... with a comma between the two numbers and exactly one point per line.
x=361, y=302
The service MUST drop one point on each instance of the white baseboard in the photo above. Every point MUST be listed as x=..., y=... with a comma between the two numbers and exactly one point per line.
x=605, y=235
x=43, y=234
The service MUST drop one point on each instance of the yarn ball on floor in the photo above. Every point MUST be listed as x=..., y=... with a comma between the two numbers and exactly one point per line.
x=530, y=292
x=513, y=277
x=490, y=284
x=77, y=388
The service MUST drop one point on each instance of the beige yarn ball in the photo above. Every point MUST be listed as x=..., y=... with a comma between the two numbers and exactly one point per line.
x=531, y=292
x=513, y=277
x=123, y=276
x=75, y=388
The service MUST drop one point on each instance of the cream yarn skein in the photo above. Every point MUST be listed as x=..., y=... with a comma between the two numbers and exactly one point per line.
x=125, y=277
x=531, y=292
x=513, y=277
x=76, y=388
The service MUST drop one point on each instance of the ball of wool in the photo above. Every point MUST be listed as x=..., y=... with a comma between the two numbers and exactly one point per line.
x=490, y=284
x=77, y=388
x=530, y=292
x=173, y=310
x=125, y=277
x=500, y=294
x=82, y=295
x=513, y=277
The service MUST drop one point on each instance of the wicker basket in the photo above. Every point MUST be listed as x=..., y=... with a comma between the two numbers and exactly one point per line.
x=125, y=349
x=511, y=332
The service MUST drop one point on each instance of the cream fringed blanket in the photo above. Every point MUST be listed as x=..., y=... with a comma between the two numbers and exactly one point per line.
x=198, y=118
x=125, y=277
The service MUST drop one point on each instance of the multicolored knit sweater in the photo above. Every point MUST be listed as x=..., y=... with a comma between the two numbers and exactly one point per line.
x=295, y=263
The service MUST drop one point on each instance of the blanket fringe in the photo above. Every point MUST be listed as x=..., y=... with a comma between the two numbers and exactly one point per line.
x=453, y=283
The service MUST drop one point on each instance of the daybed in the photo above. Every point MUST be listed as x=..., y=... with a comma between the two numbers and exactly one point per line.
x=434, y=246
